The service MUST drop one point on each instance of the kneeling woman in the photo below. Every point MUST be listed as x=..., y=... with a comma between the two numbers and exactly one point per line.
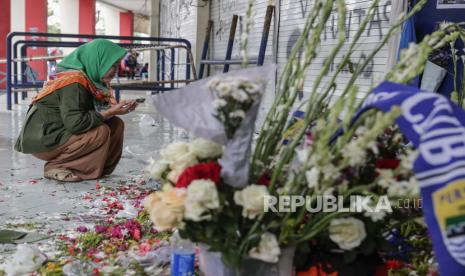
x=64, y=126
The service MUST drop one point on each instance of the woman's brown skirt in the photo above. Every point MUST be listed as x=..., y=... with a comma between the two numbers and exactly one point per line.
x=89, y=155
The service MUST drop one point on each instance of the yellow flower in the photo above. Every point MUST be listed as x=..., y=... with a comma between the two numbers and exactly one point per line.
x=166, y=207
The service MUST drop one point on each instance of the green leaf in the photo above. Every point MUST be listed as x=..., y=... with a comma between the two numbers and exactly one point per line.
x=9, y=236
x=231, y=259
x=349, y=256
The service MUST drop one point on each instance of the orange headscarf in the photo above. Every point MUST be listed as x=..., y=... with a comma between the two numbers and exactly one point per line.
x=69, y=77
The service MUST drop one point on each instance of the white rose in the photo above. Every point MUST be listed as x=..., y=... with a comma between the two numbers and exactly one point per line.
x=251, y=198
x=166, y=207
x=239, y=95
x=267, y=250
x=224, y=89
x=202, y=196
x=173, y=176
x=213, y=83
x=219, y=103
x=252, y=87
x=174, y=151
x=183, y=161
x=347, y=233
x=25, y=260
x=205, y=149
x=157, y=168
x=237, y=114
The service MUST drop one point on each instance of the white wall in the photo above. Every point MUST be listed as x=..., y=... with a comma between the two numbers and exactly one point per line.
x=18, y=15
x=110, y=15
x=69, y=16
x=176, y=20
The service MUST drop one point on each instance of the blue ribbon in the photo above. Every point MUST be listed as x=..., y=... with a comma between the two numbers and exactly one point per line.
x=436, y=127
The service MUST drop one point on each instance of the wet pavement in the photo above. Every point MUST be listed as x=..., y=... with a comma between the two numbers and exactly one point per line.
x=25, y=191
x=27, y=200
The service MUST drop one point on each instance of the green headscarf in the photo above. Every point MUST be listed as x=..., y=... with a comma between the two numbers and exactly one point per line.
x=94, y=59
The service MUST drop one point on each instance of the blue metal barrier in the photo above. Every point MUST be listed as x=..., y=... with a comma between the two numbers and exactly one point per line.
x=259, y=60
x=12, y=74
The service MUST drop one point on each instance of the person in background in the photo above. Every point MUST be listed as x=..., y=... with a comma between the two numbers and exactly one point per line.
x=67, y=124
x=131, y=65
x=144, y=72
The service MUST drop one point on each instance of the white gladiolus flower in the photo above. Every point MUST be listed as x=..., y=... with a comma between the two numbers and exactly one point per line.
x=302, y=155
x=404, y=188
x=347, y=233
x=205, y=149
x=219, y=103
x=312, y=177
x=157, y=168
x=239, y=95
x=386, y=178
x=251, y=198
x=25, y=260
x=174, y=150
x=267, y=250
x=202, y=196
x=330, y=172
x=375, y=216
x=354, y=153
x=406, y=161
x=237, y=114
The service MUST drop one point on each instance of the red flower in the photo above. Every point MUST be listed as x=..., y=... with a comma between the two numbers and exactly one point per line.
x=210, y=170
x=264, y=179
x=387, y=164
x=394, y=264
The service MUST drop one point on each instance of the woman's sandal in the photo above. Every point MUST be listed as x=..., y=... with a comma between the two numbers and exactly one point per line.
x=61, y=175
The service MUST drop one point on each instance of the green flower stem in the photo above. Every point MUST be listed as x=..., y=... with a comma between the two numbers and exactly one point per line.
x=455, y=63
x=311, y=113
x=462, y=92
x=274, y=122
x=320, y=226
x=277, y=171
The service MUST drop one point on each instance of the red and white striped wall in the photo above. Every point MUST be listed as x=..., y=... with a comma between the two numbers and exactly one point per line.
x=76, y=17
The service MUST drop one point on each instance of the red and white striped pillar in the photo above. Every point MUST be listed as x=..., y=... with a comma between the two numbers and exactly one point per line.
x=5, y=27
x=126, y=24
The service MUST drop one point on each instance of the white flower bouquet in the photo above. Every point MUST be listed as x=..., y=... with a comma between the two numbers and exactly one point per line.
x=369, y=162
x=235, y=98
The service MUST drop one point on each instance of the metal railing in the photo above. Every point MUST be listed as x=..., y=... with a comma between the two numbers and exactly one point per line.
x=17, y=82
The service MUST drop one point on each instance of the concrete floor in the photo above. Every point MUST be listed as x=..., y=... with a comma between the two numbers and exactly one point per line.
x=25, y=195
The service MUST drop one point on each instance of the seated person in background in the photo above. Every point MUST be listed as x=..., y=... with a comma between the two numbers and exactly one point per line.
x=62, y=125
x=144, y=72
x=131, y=65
